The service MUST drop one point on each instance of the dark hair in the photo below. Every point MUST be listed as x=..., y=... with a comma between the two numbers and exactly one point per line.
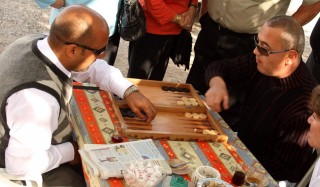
x=315, y=100
x=292, y=35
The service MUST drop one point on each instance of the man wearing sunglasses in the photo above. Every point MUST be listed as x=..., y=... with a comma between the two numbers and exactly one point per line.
x=227, y=30
x=36, y=88
x=107, y=8
x=273, y=120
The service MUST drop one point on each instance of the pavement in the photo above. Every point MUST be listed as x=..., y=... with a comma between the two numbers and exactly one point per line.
x=19, y=18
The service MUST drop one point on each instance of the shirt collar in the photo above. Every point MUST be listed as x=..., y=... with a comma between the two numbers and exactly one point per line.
x=46, y=50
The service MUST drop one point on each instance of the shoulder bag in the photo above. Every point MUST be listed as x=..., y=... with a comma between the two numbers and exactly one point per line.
x=132, y=21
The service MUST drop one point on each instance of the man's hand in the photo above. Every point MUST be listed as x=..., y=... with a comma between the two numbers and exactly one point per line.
x=59, y=4
x=217, y=95
x=188, y=18
x=306, y=13
x=138, y=103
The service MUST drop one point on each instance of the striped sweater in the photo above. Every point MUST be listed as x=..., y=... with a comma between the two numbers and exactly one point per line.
x=273, y=123
x=23, y=66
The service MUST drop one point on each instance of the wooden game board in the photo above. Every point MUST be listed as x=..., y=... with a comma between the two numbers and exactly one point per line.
x=171, y=122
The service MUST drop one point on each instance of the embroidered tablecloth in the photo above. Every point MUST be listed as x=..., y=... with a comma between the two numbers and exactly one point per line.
x=95, y=122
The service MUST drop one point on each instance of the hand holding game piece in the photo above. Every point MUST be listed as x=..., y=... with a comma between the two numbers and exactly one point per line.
x=137, y=103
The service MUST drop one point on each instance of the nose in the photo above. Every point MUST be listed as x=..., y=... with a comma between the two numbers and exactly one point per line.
x=256, y=51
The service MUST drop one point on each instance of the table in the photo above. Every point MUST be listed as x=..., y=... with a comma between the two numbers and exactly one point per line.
x=94, y=121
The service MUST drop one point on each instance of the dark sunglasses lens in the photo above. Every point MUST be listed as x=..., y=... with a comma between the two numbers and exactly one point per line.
x=262, y=51
x=100, y=51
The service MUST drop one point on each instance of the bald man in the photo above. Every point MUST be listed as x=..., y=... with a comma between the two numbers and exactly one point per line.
x=36, y=87
x=273, y=123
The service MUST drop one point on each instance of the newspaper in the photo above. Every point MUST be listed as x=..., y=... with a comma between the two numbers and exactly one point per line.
x=111, y=160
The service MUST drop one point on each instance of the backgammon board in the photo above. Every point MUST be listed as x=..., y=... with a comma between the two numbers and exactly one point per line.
x=182, y=114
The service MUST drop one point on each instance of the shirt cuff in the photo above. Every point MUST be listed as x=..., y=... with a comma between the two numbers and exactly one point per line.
x=66, y=151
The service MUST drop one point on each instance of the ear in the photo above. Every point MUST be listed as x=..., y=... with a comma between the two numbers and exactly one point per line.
x=71, y=50
x=292, y=57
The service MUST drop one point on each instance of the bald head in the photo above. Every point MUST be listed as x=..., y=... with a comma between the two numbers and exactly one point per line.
x=78, y=24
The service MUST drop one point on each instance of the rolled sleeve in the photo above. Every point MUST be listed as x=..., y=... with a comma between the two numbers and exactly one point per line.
x=66, y=151
x=107, y=77
x=44, y=4
x=309, y=2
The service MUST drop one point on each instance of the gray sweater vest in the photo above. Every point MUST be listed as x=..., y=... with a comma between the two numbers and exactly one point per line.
x=24, y=66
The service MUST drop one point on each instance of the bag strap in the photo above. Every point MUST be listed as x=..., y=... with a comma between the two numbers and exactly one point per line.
x=120, y=13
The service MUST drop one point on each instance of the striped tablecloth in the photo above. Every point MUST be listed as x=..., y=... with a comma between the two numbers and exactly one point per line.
x=95, y=122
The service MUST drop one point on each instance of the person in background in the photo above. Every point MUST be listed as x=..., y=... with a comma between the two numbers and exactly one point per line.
x=273, y=122
x=109, y=9
x=149, y=55
x=314, y=133
x=227, y=31
x=313, y=61
x=36, y=88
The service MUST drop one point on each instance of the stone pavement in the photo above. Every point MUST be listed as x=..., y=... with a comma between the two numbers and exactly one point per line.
x=20, y=17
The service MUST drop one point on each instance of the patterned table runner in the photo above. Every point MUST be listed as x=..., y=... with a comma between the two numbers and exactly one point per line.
x=95, y=122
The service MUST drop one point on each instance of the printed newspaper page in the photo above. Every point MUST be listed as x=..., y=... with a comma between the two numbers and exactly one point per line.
x=110, y=160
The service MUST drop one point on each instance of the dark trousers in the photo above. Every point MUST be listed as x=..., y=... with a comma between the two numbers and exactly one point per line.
x=64, y=176
x=149, y=56
x=313, y=62
x=113, y=45
x=215, y=43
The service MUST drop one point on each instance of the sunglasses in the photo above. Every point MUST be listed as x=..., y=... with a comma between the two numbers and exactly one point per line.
x=264, y=51
x=95, y=51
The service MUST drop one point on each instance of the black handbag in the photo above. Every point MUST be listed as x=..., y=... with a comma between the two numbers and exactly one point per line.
x=181, y=52
x=132, y=21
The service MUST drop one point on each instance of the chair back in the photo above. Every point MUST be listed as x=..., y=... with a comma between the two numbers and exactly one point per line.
x=6, y=180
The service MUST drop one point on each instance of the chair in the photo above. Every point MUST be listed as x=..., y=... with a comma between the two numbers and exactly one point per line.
x=5, y=180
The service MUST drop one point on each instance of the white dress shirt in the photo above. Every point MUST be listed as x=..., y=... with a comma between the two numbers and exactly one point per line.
x=315, y=179
x=32, y=116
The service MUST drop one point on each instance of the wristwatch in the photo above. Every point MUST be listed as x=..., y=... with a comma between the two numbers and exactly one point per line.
x=194, y=5
x=130, y=90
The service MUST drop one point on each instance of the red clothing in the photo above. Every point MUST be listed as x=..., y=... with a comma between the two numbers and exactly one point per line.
x=160, y=13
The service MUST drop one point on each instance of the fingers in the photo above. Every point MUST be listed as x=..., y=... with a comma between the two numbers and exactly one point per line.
x=225, y=103
x=217, y=101
x=213, y=102
x=145, y=113
x=186, y=21
x=151, y=114
x=141, y=106
x=140, y=114
x=217, y=105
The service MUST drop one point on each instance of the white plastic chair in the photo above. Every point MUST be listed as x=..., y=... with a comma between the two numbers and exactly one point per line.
x=5, y=180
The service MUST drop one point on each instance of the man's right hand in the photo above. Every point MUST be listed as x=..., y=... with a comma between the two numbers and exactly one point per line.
x=138, y=103
x=58, y=4
x=217, y=95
